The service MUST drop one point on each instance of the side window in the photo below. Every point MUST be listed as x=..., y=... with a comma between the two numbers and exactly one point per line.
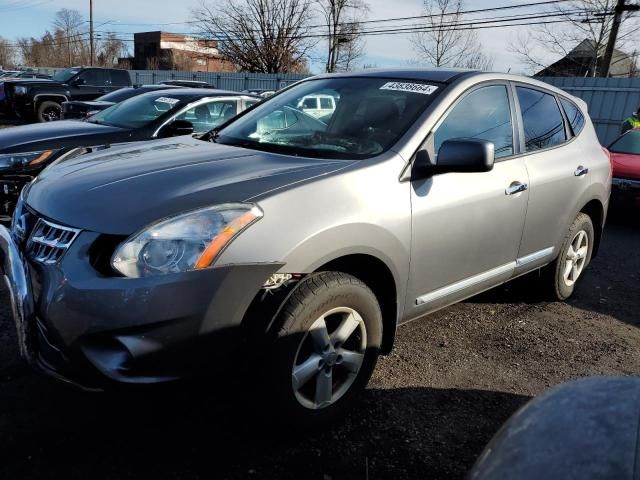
x=325, y=103
x=541, y=118
x=482, y=114
x=221, y=111
x=119, y=78
x=310, y=103
x=94, y=77
x=206, y=116
x=574, y=115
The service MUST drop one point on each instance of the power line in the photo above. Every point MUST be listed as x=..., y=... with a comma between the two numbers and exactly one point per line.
x=452, y=26
x=414, y=17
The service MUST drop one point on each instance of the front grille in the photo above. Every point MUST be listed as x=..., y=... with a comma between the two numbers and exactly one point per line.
x=48, y=242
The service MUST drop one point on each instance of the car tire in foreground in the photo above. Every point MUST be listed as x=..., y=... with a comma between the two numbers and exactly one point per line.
x=49, y=111
x=574, y=257
x=325, y=346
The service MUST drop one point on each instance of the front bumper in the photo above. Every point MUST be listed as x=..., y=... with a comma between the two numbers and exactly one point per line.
x=96, y=331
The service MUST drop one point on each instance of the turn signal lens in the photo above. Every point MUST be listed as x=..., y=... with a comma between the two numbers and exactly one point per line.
x=46, y=154
x=224, y=237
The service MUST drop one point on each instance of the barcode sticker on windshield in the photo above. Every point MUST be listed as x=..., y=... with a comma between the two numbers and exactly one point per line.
x=170, y=101
x=409, y=87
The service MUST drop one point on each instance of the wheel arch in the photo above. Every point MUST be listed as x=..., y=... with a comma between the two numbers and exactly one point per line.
x=47, y=97
x=375, y=273
x=595, y=210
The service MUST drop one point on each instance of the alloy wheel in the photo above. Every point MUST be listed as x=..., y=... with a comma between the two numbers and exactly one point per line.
x=576, y=258
x=51, y=114
x=329, y=358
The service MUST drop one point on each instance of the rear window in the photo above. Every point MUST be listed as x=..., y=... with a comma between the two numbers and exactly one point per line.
x=325, y=103
x=542, y=121
x=574, y=115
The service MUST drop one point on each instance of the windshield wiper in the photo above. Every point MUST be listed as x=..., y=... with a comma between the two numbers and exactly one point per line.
x=211, y=136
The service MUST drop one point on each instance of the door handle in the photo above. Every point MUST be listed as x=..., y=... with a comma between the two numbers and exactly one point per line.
x=516, y=187
x=580, y=171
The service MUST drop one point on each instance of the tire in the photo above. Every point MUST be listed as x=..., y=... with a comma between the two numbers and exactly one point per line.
x=49, y=111
x=562, y=275
x=314, y=378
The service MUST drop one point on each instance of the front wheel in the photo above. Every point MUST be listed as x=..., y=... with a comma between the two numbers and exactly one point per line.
x=575, y=255
x=49, y=111
x=328, y=338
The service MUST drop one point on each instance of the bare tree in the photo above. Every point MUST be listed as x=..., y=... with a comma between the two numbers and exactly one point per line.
x=7, y=54
x=444, y=43
x=110, y=50
x=588, y=24
x=152, y=63
x=345, y=43
x=268, y=36
x=69, y=23
x=182, y=61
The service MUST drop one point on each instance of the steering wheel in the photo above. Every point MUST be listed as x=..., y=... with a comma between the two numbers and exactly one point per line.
x=349, y=143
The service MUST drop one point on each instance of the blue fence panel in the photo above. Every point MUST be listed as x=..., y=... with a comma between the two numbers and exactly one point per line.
x=610, y=100
x=227, y=81
x=236, y=81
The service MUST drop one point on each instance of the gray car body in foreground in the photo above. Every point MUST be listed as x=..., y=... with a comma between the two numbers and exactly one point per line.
x=420, y=245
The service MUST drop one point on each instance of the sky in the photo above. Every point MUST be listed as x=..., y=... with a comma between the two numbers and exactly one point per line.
x=20, y=18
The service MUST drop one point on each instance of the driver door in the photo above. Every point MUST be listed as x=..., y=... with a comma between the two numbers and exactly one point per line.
x=467, y=227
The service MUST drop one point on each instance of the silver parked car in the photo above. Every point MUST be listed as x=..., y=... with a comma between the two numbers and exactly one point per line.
x=297, y=245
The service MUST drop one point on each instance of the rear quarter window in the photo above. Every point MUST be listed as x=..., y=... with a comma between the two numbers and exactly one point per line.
x=574, y=115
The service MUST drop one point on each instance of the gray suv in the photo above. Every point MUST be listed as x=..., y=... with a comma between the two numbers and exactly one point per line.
x=297, y=245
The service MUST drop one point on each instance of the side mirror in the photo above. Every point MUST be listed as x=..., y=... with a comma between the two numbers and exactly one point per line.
x=78, y=82
x=456, y=155
x=176, y=129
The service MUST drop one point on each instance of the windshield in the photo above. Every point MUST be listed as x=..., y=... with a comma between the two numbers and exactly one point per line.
x=65, y=75
x=627, y=143
x=333, y=117
x=138, y=111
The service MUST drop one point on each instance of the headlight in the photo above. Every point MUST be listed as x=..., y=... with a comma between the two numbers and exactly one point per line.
x=20, y=90
x=24, y=159
x=190, y=241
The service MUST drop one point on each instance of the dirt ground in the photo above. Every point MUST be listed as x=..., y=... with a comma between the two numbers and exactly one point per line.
x=454, y=377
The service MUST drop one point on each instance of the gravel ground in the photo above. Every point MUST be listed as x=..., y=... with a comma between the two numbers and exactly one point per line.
x=452, y=380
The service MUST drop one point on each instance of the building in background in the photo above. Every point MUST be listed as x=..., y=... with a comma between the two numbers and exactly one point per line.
x=583, y=60
x=173, y=51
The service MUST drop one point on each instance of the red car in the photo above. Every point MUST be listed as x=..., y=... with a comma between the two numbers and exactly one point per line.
x=625, y=159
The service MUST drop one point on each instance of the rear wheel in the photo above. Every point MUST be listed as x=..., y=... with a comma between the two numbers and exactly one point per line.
x=574, y=257
x=326, y=346
x=49, y=111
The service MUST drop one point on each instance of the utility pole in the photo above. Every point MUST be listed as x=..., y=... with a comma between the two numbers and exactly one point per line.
x=620, y=8
x=91, y=43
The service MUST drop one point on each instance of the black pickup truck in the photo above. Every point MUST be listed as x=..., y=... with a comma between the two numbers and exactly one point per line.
x=41, y=101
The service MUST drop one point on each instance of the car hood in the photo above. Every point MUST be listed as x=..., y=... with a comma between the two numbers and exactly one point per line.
x=625, y=165
x=31, y=82
x=40, y=136
x=123, y=189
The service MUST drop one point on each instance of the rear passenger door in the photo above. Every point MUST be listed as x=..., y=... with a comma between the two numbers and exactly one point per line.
x=119, y=79
x=556, y=174
x=89, y=84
